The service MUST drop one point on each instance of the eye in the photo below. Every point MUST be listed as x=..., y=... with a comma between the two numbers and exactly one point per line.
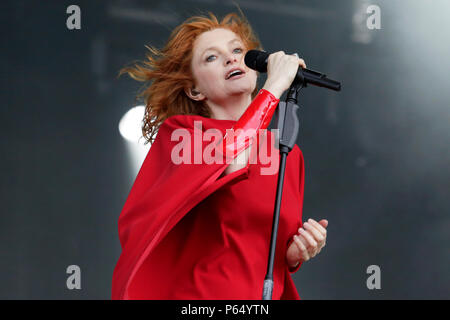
x=209, y=60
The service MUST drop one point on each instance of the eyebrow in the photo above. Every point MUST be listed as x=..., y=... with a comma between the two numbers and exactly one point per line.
x=231, y=41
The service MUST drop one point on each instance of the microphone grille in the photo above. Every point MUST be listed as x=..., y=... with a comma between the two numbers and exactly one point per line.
x=251, y=59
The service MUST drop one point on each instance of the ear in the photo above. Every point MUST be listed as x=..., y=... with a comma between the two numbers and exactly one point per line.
x=194, y=94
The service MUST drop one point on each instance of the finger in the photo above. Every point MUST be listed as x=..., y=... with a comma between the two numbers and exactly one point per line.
x=324, y=223
x=302, y=63
x=318, y=251
x=318, y=226
x=313, y=252
x=314, y=231
x=308, y=237
x=323, y=244
x=303, y=241
x=312, y=249
x=302, y=248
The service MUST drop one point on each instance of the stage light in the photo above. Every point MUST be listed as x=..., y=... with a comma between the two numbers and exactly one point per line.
x=130, y=128
x=131, y=123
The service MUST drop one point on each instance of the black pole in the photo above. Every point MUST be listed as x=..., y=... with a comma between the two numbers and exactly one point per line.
x=288, y=125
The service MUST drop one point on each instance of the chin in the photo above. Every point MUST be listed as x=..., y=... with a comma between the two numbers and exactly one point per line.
x=245, y=88
x=240, y=91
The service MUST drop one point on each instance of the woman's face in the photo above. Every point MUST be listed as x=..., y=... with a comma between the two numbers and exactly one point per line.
x=215, y=54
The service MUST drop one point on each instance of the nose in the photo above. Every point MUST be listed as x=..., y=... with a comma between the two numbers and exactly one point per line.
x=230, y=59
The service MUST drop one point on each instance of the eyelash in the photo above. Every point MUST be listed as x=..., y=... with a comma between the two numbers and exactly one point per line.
x=207, y=59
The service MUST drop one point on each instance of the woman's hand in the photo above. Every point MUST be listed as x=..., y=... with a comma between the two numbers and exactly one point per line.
x=307, y=243
x=281, y=71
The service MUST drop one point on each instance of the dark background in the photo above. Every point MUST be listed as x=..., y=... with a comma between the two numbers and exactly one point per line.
x=376, y=154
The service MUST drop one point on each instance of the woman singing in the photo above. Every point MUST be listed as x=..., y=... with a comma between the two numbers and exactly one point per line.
x=193, y=228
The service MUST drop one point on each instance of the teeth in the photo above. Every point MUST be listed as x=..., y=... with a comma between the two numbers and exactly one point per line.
x=233, y=73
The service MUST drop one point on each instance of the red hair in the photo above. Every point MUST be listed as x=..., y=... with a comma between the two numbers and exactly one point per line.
x=169, y=70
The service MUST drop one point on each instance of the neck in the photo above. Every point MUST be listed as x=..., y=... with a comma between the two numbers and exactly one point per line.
x=231, y=108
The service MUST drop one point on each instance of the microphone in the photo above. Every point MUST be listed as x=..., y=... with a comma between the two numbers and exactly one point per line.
x=257, y=60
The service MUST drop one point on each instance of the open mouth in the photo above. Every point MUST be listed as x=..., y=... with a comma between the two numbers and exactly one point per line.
x=235, y=74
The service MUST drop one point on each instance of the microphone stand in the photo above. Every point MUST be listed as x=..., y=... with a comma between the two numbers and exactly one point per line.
x=288, y=125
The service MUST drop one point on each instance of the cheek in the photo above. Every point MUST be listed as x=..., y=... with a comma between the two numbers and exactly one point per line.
x=253, y=76
x=207, y=76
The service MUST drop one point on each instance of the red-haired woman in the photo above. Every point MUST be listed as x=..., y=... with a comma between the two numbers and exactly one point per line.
x=202, y=230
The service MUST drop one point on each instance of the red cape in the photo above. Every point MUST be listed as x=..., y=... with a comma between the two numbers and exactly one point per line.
x=164, y=193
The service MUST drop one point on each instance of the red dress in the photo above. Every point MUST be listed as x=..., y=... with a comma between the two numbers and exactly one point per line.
x=189, y=233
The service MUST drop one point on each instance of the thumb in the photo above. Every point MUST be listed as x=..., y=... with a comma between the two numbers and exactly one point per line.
x=324, y=223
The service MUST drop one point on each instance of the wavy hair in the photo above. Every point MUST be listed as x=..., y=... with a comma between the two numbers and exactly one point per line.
x=168, y=71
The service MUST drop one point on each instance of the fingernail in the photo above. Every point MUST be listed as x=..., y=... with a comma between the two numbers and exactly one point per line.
x=310, y=220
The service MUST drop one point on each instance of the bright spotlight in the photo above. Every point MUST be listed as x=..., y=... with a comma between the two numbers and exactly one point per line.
x=131, y=123
x=130, y=128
